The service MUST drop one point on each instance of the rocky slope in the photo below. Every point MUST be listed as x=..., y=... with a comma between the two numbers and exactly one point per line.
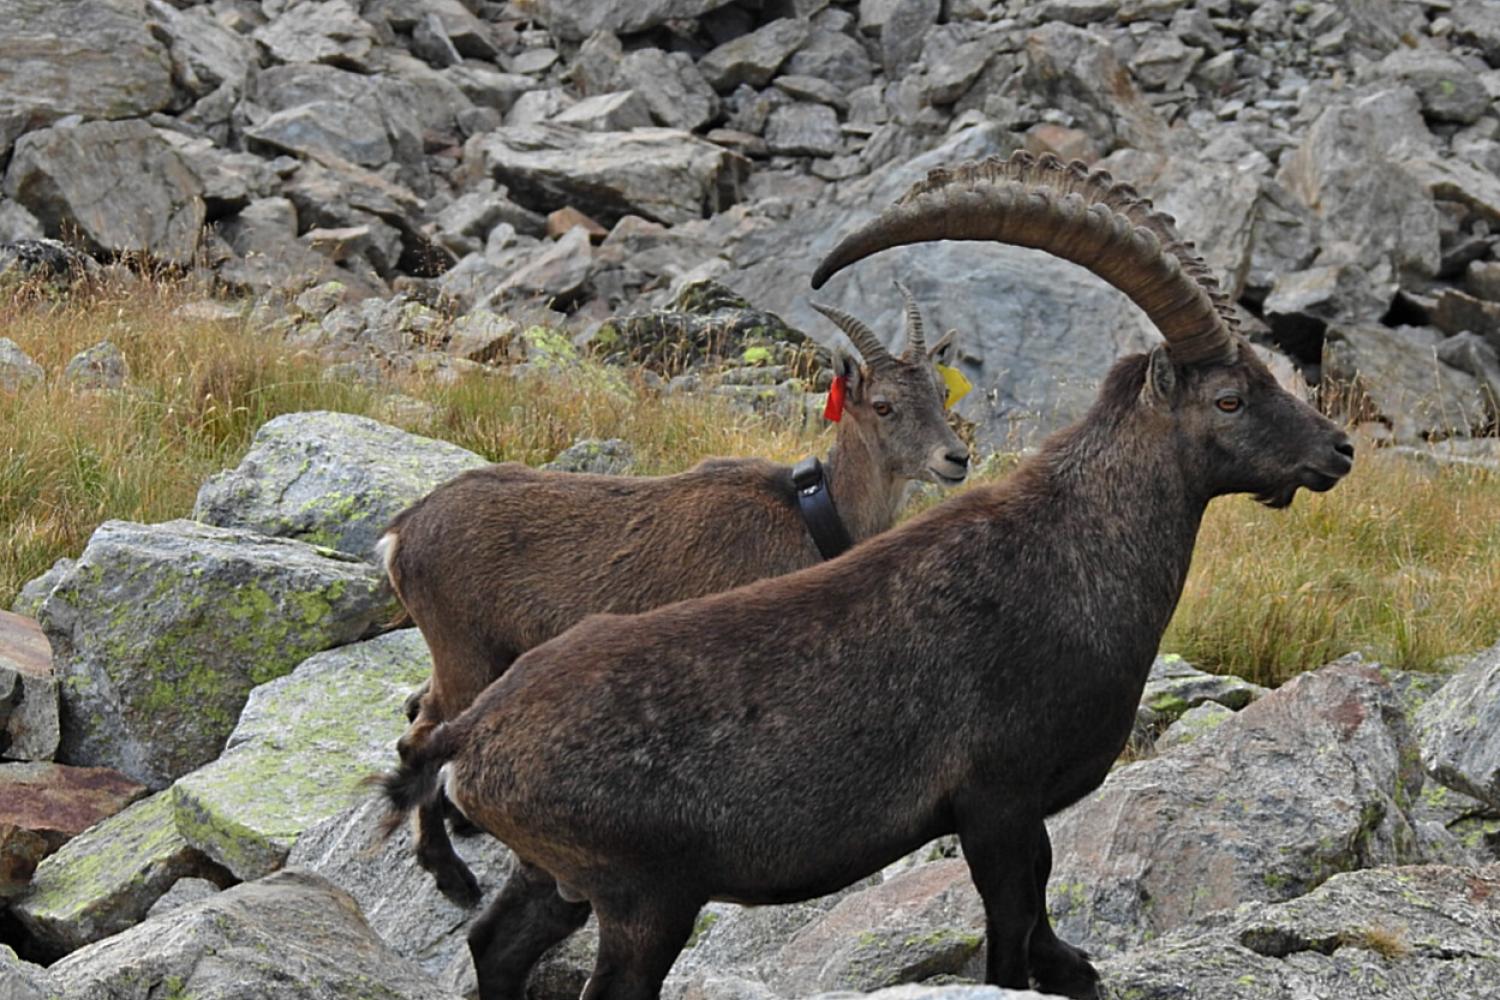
x=581, y=161
x=1343, y=829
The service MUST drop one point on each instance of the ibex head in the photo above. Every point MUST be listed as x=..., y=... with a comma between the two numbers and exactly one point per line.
x=897, y=404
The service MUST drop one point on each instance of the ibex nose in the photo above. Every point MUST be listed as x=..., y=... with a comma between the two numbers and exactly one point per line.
x=1344, y=449
x=958, y=457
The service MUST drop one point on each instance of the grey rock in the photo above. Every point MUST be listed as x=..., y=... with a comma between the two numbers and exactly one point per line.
x=1380, y=934
x=118, y=184
x=835, y=57
x=1192, y=724
x=1216, y=205
x=812, y=88
x=533, y=62
x=480, y=335
x=1454, y=180
x=1078, y=12
x=16, y=223
x=1174, y=686
x=325, y=127
x=1459, y=737
x=1345, y=172
x=17, y=370
x=206, y=54
x=1449, y=90
x=539, y=106
x=29, y=601
x=102, y=366
x=672, y=86
x=300, y=752
x=430, y=43
x=320, y=31
x=804, y=129
x=1395, y=371
x=1164, y=62
x=399, y=899
x=1221, y=820
x=950, y=79
x=1477, y=23
x=903, y=32
x=559, y=274
x=104, y=880
x=22, y=980
x=607, y=457
x=183, y=892
x=490, y=88
x=1334, y=292
x=29, y=727
x=159, y=632
x=753, y=58
x=924, y=922
x=617, y=112
x=938, y=991
x=332, y=479
x=98, y=60
x=1072, y=70
x=574, y=20
x=661, y=174
x=290, y=935
x=1473, y=355
x=230, y=181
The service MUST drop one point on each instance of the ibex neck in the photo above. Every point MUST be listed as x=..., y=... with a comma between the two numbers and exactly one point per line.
x=867, y=496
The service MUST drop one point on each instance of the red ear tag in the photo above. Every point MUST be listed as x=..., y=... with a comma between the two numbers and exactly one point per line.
x=835, y=406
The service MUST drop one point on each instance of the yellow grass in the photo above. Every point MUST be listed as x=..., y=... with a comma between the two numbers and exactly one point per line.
x=1401, y=561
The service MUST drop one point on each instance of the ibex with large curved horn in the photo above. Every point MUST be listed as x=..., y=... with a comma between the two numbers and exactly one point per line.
x=974, y=670
x=501, y=559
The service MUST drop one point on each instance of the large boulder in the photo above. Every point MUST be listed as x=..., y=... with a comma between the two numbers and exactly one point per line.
x=304, y=744
x=1223, y=819
x=1459, y=730
x=331, y=479
x=292, y=936
x=659, y=173
x=320, y=31
x=1395, y=375
x=924, y=922
x=1035, y=334
x=104, y=880
x=399, y=899
x=1383, y=934
x=28, y=691
x=118, y=185
x=160, y=631
x=94, y=59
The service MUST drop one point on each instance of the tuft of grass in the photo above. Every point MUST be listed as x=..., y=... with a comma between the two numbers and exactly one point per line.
x=1401, y=562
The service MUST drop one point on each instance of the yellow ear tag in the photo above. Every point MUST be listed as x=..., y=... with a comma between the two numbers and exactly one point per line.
x=958, y=386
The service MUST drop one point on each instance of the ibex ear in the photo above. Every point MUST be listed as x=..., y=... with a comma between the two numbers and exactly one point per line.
x=1161, y=377
x=941, y=352
x=845, y=366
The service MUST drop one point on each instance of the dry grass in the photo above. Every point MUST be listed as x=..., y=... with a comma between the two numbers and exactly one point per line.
x=1402, y=561
x=198, y=391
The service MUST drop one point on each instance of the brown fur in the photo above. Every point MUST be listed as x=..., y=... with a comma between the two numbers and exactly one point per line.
x=974, y=671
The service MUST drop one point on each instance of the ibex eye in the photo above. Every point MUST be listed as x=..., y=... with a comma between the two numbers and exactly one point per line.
x=883, y=409
x=1229, y=404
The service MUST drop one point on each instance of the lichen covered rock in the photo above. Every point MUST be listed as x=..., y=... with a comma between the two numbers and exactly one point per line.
x=1175, y=685
x=105, y=879
x=1459, y=730
x=29, y=728
x=291, y=936
x=331, y=479
x=160, y=631
x=300, y=751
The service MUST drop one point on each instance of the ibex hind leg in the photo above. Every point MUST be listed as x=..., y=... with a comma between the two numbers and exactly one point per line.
x=1000, y=848
x=1057, y=966
x=526, y=919
x=436, y=855
x=638, y=942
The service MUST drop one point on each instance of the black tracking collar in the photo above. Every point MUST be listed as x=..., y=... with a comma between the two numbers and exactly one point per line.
x=818, y=512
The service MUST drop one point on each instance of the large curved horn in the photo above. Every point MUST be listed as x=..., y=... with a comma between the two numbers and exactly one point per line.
x=916, y=341
x=1072, y=213
x=869, y=346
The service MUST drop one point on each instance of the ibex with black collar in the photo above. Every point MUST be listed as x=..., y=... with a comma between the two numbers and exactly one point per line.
x=501, y=559
x=974, y=670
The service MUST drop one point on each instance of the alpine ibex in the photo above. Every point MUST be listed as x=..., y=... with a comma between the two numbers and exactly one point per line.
x=974, y=670
x=501, y=559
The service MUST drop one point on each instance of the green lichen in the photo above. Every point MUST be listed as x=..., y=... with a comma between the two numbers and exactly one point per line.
x=702, y=926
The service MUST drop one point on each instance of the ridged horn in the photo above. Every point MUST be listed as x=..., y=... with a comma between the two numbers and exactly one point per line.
x=1070, y=212
x=916, y=340
x=869, y=346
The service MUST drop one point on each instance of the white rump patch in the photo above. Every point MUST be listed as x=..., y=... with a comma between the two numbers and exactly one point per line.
x=385, y=551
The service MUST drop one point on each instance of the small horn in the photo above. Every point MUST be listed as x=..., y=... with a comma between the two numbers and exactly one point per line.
x=1072, y=213
x=916, y=342
x=869, y=346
